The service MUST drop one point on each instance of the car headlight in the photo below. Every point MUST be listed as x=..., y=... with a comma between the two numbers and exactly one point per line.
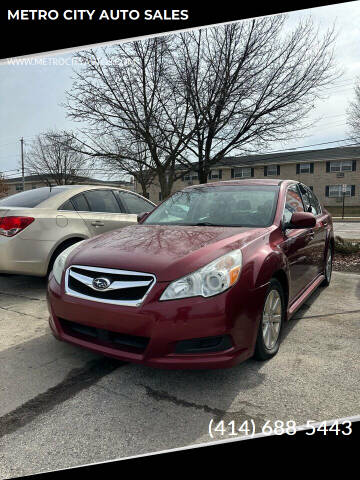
x=59, y=264
x=214, y=278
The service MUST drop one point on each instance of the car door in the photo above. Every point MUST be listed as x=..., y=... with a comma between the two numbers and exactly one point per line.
x=133, y=203
x=101, y=211
x=70, y=221
x=312, y=205
x=296, y=245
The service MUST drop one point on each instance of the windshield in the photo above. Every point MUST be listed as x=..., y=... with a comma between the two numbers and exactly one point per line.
x=225, y=206
x=30, y=198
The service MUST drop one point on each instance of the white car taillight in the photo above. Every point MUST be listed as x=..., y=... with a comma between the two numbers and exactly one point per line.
x=10, y=226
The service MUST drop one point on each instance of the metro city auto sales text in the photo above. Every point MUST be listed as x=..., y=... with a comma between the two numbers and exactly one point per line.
x=111, y=15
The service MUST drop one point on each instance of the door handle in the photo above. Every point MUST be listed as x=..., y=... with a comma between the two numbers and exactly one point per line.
x=97, y=223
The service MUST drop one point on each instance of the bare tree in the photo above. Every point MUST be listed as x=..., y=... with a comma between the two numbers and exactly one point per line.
x=3, y=186
x=251, y=83
x=129, y=93
x=353, y=113
x=54, y=158
x=191, y=99
x=131, y=160
x=116, y=156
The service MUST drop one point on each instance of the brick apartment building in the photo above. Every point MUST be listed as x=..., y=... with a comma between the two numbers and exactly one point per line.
x=15, y=185
x=325, y=171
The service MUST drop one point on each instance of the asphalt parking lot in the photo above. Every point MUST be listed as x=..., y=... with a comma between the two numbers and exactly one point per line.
x=61, y=406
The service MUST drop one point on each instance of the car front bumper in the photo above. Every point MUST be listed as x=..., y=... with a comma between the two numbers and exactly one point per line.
x=162, y=326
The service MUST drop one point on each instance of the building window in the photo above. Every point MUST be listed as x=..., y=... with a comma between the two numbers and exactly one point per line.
x=215, y=174
x=305, y=168
x=336, y=191
x=160, y=196
x=191, y=176
x=271, y=170
x=343, y=166
x=242, y=172
x=19, y=187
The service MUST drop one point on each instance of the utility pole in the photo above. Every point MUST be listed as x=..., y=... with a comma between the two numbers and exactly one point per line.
x=22, y=163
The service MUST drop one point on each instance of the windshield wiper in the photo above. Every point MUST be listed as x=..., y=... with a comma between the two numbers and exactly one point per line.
x=207, y=224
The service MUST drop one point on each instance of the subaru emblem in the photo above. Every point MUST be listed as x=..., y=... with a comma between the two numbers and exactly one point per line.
x=101, y=283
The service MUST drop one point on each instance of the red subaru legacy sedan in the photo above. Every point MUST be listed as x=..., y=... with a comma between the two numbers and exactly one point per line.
x=206, y=280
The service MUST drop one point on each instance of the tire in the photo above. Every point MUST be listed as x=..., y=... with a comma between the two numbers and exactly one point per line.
x=269, y=333
x=328, y=267
x=57, y=252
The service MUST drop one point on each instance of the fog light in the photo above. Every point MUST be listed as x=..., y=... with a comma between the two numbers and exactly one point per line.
x=206, y=344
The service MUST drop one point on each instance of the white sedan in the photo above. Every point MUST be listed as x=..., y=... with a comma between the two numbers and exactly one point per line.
x=37, y=225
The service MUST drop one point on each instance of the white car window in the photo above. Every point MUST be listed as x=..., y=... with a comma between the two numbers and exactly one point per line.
x=102, y=201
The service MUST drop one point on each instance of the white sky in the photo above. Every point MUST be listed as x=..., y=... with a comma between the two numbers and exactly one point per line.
x=30, y=96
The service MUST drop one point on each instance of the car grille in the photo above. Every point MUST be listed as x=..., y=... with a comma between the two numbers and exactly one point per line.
x=119, y=287
x=117, y=340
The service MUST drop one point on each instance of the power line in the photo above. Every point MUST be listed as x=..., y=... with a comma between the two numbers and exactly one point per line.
x=294, y=154
x=288, y=150
x=12, y=170
x=315, y=145
x=33, y=137
x=329, y=125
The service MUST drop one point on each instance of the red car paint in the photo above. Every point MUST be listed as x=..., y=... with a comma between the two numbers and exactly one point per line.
x=295, y=257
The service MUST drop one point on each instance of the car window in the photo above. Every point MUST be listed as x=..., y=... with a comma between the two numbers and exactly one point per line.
x=67, y=206
x=102, y=201
x=314, y=202
x=134, y=203
x=317, y=203
x=230, y=205
x=305, y=193
x=80, y=203
x=293, y=203
x=30, y=198
x=178, y=209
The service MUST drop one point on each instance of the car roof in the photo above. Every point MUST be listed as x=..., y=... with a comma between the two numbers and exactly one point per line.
x=247, y=181
x=68, y=191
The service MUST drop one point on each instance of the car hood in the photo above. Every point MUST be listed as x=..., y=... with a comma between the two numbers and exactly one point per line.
x=169, y=252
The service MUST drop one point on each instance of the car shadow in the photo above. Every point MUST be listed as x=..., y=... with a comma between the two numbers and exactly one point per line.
x=17, y=279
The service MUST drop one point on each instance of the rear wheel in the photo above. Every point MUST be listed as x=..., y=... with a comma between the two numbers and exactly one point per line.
x=328, y=267
x=269, y=333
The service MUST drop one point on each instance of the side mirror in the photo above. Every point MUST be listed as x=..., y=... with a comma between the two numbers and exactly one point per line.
x=142, y=216
x=302, y=220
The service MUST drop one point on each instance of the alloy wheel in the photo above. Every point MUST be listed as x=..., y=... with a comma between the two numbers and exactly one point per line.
x=271, y=319
x=328, y=266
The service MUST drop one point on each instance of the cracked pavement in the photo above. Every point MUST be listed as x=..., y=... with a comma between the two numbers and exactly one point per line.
x=61, y=406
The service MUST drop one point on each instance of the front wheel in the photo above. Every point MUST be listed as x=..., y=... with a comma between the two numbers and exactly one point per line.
x=328, y=267
x=268, y=338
